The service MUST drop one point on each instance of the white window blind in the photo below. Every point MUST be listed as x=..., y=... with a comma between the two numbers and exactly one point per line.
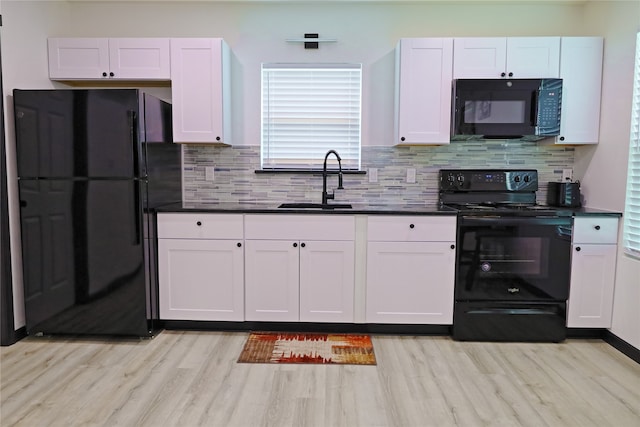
x=632, y=207
x=308, y=110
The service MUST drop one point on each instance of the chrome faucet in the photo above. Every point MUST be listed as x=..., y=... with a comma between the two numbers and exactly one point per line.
x=326, y=196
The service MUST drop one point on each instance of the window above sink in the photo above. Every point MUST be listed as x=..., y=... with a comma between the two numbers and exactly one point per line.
x=308, y=109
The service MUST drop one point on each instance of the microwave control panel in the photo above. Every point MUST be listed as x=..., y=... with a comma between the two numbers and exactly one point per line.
x=549, y=105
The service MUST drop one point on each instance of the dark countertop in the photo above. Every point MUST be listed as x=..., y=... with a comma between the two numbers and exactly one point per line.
x=586, y=211
x=368, y=209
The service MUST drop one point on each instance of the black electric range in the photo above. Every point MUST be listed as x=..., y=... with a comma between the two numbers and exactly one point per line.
x=512, y=257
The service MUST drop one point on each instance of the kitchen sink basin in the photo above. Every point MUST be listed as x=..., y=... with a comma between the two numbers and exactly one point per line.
x=315, y=206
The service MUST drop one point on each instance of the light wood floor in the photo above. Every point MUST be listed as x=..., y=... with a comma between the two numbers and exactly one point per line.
x=189, y=378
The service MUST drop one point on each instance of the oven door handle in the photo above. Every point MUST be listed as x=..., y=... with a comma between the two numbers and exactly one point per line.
x=503, y=220
x=521, y=311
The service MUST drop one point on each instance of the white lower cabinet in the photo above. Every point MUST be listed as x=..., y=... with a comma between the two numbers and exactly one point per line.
x=410, y=269
x=272, y=280
x=299, y=268
x=201, y=267
x=302, y=268
x=593, y=262
x=327, y=281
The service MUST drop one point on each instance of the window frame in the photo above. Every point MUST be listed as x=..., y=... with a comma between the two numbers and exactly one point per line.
x=290, y=123
x=631, y=228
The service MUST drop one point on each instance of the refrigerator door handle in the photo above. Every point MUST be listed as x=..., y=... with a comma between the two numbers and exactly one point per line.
x=133, y=137
x=136, y=170
x=136, y=216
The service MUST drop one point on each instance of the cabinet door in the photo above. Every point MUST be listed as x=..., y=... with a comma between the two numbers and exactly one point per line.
x=533, y=57
x=479, y=57
x=78, y=58
x=197, y=87
x=201, y=279
x=423, y=91
x=592, y=284
x=595, y=229
x=272, y=280
x=410, y=282
x=581, y=73
x=139, y=58
x=499, y=57
x=327, y=281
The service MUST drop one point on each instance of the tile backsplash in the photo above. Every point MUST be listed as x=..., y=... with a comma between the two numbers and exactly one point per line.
x=235, y=180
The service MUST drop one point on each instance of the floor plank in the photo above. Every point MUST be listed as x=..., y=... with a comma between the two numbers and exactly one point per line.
x=191, y=378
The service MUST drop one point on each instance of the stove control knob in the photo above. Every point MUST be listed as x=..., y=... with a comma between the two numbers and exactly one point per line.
x=517, y=178
x=450, y=181
x=526, y=178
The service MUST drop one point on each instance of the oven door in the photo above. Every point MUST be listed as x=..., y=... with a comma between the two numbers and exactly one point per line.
x=513, y=259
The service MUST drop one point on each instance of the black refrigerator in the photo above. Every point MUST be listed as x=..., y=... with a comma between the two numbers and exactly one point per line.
x=93, y=164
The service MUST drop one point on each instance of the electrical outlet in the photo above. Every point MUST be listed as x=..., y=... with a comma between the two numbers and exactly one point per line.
x=411, y=176
x=373, y=174
x=209, y=173
x=567, y=175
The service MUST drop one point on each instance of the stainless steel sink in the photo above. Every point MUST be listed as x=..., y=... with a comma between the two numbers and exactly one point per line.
x=315, y=206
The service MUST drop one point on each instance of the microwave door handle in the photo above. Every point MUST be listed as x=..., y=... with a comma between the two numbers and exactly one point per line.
x=534, y=111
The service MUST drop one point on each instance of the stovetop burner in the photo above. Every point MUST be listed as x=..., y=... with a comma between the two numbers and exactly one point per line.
x=493, y=192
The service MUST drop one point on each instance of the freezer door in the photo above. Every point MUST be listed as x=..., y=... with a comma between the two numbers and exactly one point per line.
x=83, y=255
x=77, y=133
x=47, y=230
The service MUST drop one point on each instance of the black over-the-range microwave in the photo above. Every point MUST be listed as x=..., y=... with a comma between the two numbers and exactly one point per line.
x=506, y=108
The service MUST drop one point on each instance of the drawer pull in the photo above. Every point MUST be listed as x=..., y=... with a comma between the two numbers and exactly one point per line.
x=302, y=245
x=453, y=246
x=239, y=244
x=295, y=245
x=597, y=227
x=412, y=226
x=198, y=223
x=578, y=248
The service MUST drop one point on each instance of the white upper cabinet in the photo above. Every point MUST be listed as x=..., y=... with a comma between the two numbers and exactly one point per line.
x=533, y=57
x=200, y=86
x=581, y=73
x=511, y=57
x=109, y=58
x=423, y=91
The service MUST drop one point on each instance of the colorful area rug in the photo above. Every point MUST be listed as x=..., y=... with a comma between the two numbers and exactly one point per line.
x=312, y=348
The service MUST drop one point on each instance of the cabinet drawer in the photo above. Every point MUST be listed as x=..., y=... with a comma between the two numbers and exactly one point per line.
x=199, y=226
x=595, y=229
x=300, y=227
x=412, y=229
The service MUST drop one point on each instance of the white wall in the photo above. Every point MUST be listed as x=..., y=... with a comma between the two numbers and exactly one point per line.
x=367, y=33
x=603, y=169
